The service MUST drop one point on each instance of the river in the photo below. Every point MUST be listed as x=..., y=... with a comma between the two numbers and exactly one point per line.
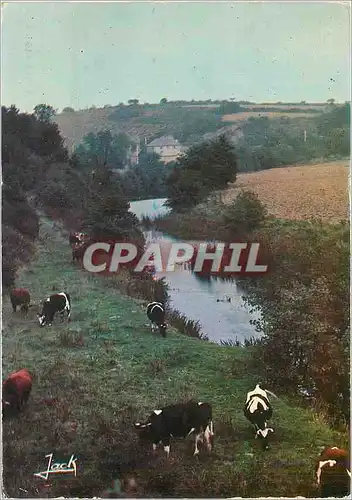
x=216, y=304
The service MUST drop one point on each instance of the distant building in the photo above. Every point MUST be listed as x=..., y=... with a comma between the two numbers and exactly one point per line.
x=168, y=148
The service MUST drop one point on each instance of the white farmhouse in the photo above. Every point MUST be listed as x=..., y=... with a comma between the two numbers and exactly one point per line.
x=167, y=147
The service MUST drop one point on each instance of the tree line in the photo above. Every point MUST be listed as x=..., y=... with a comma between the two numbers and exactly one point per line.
x=38, y=173
x=275, y=142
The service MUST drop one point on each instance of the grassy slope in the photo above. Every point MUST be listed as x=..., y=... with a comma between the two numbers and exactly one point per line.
x=115, y=379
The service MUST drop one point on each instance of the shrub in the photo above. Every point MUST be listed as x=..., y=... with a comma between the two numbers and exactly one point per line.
x=245, y=214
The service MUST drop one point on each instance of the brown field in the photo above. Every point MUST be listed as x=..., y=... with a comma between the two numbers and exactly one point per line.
x=283, y=106
x=300, y=192
x=244, y=115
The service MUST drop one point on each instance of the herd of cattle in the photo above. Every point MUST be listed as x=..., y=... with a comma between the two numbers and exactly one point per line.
x=180, y=420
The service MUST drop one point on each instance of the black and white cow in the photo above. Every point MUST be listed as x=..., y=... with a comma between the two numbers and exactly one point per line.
x=258, y=411
x=333, y=473
x=76, y=238
x=179, y=421
x=57, y=303
x=156, y=314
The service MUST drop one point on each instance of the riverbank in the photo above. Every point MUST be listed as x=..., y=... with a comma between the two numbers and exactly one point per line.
x=304, y=298
x=97, y=375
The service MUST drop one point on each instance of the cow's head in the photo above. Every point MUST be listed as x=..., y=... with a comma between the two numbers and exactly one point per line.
x=7, y=408
x=41, y=319
x=263, y=435
x=9, y=399
x=143, y=429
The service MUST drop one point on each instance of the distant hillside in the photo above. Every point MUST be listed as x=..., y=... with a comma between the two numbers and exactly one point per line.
x=188, y=122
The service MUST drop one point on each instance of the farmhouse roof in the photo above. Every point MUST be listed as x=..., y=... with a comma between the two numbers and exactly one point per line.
x=166, y=140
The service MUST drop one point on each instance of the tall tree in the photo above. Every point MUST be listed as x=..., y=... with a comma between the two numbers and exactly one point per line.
x=204, y=168
x=104, y=148
x=44, y=112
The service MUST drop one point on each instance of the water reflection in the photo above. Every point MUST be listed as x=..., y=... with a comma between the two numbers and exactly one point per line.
x=216, y=303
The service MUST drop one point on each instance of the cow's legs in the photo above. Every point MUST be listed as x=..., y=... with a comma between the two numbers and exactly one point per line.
x=50, y=318
x=24, y=308
x=208, y=434
x=199, y=437
x=166, y=443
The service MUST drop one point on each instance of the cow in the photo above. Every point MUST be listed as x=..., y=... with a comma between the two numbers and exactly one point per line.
x=258, y=411
x=20, y=297
x=59, y=302
x=16, y=389
x=156, y=314
x=333, y=473
x=78, y=252
x=76, y=238
x=179, y=421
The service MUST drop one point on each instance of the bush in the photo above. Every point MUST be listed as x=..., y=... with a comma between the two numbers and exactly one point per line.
x=245, y=214
x=305, y=309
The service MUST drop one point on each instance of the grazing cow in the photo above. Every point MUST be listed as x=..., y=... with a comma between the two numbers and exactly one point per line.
x=156, y=314
x=179, y=420
x=59, y=302
x=258, y=411
x=16, y=389
x=333, y=473
x=76, y=238
x=20, y=297
x=78, y=252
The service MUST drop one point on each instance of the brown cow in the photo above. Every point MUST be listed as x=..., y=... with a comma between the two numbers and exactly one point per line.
x=333, y=472
x=20, y=297
x=16, y=389
x=78, y=251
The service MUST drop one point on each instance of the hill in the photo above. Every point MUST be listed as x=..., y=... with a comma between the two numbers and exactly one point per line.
x=299, y=192
x=186, y=121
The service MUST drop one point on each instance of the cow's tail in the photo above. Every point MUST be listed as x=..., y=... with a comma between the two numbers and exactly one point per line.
x=271, y=393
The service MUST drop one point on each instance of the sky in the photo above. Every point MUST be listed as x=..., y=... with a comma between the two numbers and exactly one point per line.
x=84, y=54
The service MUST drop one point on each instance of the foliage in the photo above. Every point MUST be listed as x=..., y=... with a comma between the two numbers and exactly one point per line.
x=188, y=125
x=68, y=109
x=35, y=168
x=245, y=214
x=201, y=170
x=107, y=215
x=44, y=112
x=103, y=148
x=227, y=108
x=28, y=146
x=305, y=304
x=146, y=179
x=269, y=143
